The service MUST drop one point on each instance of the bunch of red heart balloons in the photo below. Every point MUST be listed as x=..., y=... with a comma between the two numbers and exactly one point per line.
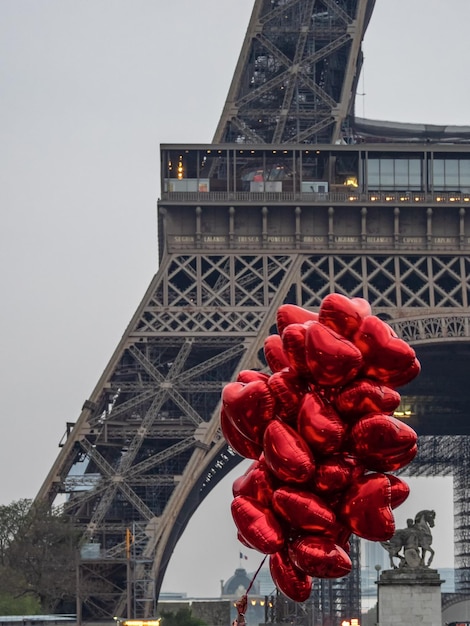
x=323, y=439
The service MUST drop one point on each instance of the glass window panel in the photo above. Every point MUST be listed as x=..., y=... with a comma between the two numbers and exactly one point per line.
x=386, y=173
x=451, y=173
x=373, y=173
x=464, y=172
x=401, y=172
x=386, y=167
x=438, y=173
x=415, y=173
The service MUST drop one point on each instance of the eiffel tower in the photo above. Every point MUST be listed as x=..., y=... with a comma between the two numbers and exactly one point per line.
x=295, y=198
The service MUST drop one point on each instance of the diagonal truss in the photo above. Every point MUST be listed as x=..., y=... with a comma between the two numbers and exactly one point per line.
x=297, y=72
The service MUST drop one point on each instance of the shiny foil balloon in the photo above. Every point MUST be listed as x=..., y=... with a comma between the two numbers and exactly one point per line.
x=249, y=407
x=248, y=376
x=399, y=490
x=286, y=454
x=237, y=440
x=293, y=342
x=274, y=353
x=293, y=314
x=378, y=440
x=319, y=557
x=243, y=541
x=287, y=390
x=257, y=524
x=400, y=377
x=303, y=510
x=385, y=354
x=320, y=425
x=335, y=474
x=366, y=508
x=257, y=483
x=344, y=315
x=393, y=462
x=331, y=359
x=363, y=396
x=323, y=439
x=291, y=581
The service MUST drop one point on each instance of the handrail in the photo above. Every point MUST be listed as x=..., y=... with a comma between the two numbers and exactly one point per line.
x=371, y=198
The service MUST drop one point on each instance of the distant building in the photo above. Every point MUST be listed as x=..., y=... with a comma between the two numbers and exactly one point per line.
x=237, y=585
x=374, y=559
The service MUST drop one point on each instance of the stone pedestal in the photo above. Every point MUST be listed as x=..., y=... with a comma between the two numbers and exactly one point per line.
x=409, y=597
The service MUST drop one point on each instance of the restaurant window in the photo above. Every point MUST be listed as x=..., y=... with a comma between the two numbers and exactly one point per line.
x=390, y=173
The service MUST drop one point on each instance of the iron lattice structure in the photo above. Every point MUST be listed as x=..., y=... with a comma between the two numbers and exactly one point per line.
x=297, y=71
x=281, y=207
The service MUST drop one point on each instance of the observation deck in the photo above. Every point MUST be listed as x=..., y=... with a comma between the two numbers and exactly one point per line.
x=350, y=197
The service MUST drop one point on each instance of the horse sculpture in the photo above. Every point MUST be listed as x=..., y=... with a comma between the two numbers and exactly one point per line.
x=415, y=540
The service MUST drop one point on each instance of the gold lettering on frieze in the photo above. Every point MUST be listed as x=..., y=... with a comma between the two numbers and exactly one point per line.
x=214, y=239
x=248, y=239
x=443, y=240
x=412, y=240
x=183, y=239
x=378, y=239
x=279, y=239
x=314, y=239
x=347, y=239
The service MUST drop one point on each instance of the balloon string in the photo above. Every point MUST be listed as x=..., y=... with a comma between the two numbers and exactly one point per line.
x=256, y=574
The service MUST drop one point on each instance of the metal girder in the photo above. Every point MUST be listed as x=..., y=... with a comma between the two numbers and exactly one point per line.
x=285, y=47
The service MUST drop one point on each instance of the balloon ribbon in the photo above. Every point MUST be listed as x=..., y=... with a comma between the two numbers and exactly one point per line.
x=256, y=574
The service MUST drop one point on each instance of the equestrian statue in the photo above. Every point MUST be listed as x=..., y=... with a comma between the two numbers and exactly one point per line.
x=415, y=541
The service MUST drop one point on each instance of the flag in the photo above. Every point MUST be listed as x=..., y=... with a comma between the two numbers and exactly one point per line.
x=243, y=556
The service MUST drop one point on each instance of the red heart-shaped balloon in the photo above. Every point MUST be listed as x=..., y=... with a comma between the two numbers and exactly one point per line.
x=373, y=336
x=287, y=390
x=393, y=462
x=320, y=425
x=274, y=353
x=286, y=454
x=342, y=314
x=256, y=483
x=249, y=406
x=331, y=359
x=378, y=439
x=385, y=354
x=400, y=490
x=291, y=581
x=257, y=524
x=293, y=314
x=248, y=376
x=364, y=396
x=341, y=535
x=303, y=510
x=319, y=557
x=366, y=508
x=242, y=540
x=398, y=378
x=293, y=342
x=237, y=440
x=336, y=473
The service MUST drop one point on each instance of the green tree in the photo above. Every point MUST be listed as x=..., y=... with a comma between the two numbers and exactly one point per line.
x=12, y=517
x=38, y=551
x=183, y=617
x=10, y=605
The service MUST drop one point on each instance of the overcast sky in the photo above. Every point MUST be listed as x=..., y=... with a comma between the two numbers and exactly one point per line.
x=88, y=91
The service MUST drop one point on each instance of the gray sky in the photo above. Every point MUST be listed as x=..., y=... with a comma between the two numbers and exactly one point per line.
x=88, y=91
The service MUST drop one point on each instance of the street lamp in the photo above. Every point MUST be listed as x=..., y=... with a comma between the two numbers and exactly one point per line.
x=377, y=569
